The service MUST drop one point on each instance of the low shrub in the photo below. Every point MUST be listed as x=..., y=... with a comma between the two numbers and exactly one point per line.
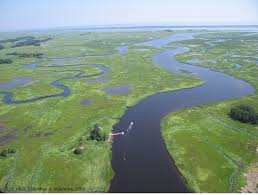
x=77, y=151
x=96, y=135
x=7, y=152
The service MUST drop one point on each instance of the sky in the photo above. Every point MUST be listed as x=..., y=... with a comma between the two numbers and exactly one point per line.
x=40, y=14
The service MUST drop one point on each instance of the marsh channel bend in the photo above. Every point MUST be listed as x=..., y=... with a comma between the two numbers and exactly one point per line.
x=140, y=159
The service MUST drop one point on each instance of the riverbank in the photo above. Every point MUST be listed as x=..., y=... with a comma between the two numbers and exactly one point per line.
x=212, y=151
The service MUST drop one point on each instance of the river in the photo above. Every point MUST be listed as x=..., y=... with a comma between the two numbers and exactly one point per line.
x=140, y=159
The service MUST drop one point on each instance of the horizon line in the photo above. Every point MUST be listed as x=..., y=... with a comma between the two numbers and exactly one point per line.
x=125, y=26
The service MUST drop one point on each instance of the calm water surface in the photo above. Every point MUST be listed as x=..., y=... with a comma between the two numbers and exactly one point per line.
x=140, y=159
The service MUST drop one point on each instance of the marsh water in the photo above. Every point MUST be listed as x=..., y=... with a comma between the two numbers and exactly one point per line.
x=117, y=90
x=16, y=82
x=140, y=159
x=66, y=91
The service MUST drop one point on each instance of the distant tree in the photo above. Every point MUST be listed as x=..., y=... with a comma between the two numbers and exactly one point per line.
x=244, y=113
x=1, y=47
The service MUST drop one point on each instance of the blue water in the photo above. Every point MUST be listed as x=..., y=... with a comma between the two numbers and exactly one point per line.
x=140, y=159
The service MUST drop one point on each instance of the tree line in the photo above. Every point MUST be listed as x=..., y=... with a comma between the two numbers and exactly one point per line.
x=25, y=41
x=17, y=39
x=26, y=55
x=5, y=61
x=244, y=114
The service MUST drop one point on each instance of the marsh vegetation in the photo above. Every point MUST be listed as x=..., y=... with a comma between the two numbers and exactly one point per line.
x=212, y=151
x=53, y=135
x=64, y=120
